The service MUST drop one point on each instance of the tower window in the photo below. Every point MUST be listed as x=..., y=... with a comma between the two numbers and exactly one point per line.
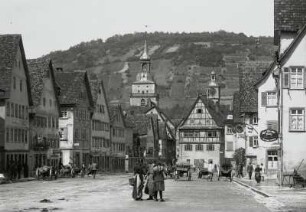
x=142, y=102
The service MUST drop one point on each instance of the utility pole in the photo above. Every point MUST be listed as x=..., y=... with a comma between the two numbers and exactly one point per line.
x=280, y=117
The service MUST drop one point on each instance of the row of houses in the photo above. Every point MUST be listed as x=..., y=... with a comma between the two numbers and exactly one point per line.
x=49, y=116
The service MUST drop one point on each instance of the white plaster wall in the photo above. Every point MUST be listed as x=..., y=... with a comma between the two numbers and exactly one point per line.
x=285, y=41
x=294, y=143
x=67, y=123
x=147, y=88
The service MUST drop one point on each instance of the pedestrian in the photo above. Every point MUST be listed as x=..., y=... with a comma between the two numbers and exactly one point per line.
x=262, y=172
x=25, y=170
x=150, y=182
x=159, y=181
x=257, y=174
x=83, y=170
x=250, y=170
x=19, y=168
x=138, y=182
x=89, y=169
x=94, y=169
x=210, y=170
x=240, y=170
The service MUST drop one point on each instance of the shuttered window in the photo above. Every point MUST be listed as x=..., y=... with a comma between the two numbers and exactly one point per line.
x=294, y=78
x=264, y=99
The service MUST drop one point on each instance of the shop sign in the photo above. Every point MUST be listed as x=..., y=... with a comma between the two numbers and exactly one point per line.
x=269, y=135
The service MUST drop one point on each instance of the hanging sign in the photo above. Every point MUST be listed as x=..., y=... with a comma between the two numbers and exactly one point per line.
x=269, y=135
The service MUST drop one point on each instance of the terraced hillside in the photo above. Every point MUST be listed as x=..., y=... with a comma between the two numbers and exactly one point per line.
x=181, y=63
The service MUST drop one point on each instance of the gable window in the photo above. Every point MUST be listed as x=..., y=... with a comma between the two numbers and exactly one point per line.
x=254, y=119
x=293, y=77
x=199, y=111
x=271, y=99
x=188, y=147
x=199, y=147
x=297, y=119
x=210, y=147
x=253, y=141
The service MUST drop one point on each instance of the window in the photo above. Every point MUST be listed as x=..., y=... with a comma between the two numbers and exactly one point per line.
x=271, y=99
x=142, y=102
x=297, y=119
x=293, y=78
x=296, y=78
x=199, y=111
x=211, y=134
x=229, y=130
x=20, y=85
x=12, y=110
x=210, y=147
x=8, y=109
x=50, y=102
x=230, y=146
x=64, y=114
x=199, y=147
x=272, y=159
x=188, y=147
x=253, y=141
x=7, y=135
x=254, y=119
x=44, y=102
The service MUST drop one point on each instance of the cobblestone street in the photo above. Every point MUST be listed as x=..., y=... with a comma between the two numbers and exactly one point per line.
x=112, y=193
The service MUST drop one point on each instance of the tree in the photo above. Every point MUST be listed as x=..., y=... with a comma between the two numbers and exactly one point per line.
x=239, y=156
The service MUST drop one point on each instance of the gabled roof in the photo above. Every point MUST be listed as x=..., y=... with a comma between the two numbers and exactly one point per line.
x=289, y=15
x=117, y=110
x=40, y=69
x=217, y=113
x=8, y=51
x=250, y=73
x=285, y=56
x=69, y=83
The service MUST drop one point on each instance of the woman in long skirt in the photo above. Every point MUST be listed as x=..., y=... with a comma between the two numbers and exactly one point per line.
x=138, y=185
x=159, y=184
x=150, y=183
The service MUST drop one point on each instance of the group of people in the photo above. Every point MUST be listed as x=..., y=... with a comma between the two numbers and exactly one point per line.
x=16, y=169
x=151, y=180
x=258, y=171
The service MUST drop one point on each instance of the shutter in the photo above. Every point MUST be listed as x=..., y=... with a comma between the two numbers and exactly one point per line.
x=304, y=77
x=263, y=99
x=251, y=141
x=286, y=74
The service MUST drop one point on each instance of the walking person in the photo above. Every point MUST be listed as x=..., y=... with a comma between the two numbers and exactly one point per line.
x=25, y=170
x=94, y=169
x=250, y=170
x=210, y=170
x=257, y=174
x=159, y=181
x=262, y=172
x=138, y=183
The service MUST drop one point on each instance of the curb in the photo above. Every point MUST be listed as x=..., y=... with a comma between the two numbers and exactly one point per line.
x=17, y=181
x=252, y=188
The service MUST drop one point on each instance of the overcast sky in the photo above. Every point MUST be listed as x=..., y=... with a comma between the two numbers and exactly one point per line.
x=48, y=25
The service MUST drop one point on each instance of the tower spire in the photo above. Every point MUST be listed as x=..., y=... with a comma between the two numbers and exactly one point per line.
x=145, y=55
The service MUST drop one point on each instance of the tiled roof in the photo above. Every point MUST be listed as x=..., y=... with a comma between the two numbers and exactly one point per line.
x=8, y=49
x=217, y=112
x=69, y=83
x=289, y=15
x=38, y=71
x=250, y=73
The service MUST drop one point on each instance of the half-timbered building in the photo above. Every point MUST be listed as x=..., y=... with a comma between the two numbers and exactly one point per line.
x=200, y=136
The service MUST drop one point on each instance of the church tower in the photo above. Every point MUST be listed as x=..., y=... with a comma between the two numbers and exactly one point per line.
x=213, y=90
x=144, y=88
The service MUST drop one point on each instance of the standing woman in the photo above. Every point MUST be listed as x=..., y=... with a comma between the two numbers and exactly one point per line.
x=150, y=182
x=159, y=181
x=138, y=185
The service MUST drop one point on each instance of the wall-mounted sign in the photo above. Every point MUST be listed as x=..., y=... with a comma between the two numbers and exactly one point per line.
x=239, y=128
x=269, y=135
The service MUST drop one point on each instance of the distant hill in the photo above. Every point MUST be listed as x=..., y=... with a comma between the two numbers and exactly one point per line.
x=181, y=62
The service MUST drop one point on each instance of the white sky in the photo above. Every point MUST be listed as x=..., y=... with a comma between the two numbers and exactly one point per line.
x=48, y=25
